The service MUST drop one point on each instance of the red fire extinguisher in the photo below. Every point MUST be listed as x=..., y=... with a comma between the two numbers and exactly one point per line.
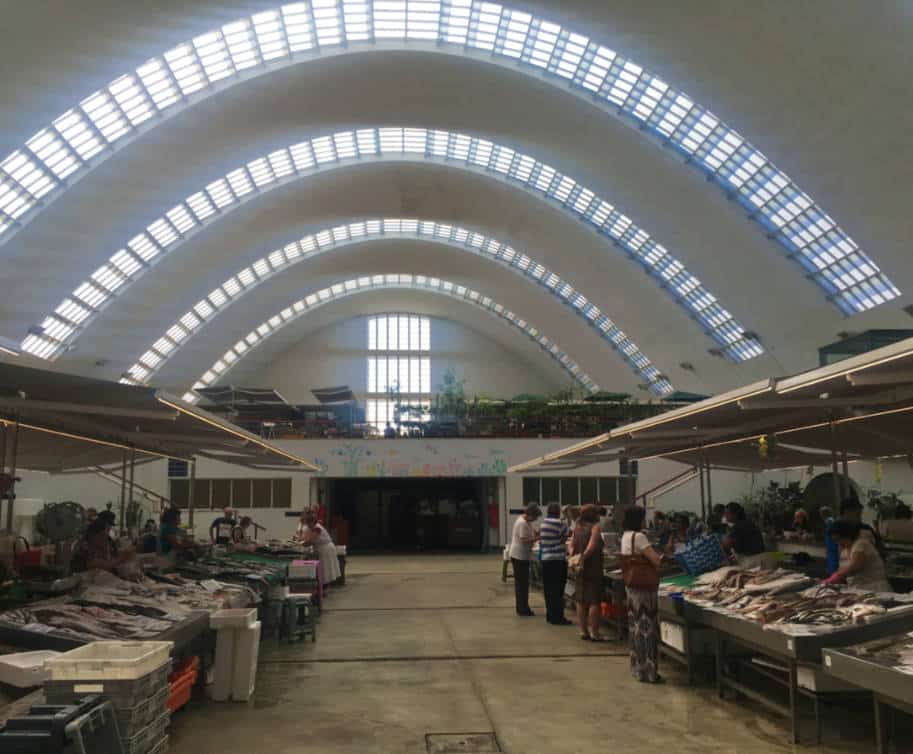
x=493, y=517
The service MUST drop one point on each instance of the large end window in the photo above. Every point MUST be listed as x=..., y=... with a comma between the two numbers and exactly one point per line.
x=398, y=370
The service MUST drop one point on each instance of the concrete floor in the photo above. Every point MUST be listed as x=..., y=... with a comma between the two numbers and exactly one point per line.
x=431, y=645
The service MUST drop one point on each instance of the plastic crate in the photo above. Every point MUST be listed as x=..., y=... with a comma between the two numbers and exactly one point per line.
x=181, y=684
x=124, y=695
x=110, y=661
x=96, y=731
x=148, y=738
x=88, y=727
x=134, y=719
x=241, y=618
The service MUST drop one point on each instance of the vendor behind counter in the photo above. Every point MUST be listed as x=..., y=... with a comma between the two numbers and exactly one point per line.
x=96, y=550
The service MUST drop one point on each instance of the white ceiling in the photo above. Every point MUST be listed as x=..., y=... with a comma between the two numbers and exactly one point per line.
x=822, y=87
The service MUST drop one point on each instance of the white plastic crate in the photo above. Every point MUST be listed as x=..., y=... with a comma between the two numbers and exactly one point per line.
x=25, y=669
x=236, y=618
x=110, y=661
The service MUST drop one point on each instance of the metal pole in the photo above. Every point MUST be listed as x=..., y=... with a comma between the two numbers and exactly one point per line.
x=123, y=492
x=11, y=495
x=631, y=490
x=193, y=484
x=2, y=459
x=834, y=472
x=700, y=471
x=846, y=473
x=130, y=488
x=709, y=488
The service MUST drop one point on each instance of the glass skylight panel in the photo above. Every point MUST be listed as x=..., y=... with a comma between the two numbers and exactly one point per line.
x=50, y=148
x=143, y=246
x=75, y=130
x=181, y=219
x=105, y=115
x=163, y=232
x=91, y=295
x=185, y=68
x=327, y=22
x=200, y=205
x=240, y=182
x=220, y=193
x=213, y=54
x=298, y=26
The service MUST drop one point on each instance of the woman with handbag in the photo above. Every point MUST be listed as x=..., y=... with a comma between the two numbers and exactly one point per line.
x=586, y=561
x=640, y=566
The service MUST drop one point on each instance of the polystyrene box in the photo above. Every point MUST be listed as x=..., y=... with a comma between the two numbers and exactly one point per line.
x=247, y=652
x=25, y=669
x=237, y=652
x=240, y=618
x=110, y=661
x=340, y=549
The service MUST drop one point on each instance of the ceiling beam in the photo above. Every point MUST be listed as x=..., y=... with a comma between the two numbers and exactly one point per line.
x=863, y=379
x=27, y=404
x=884, y=398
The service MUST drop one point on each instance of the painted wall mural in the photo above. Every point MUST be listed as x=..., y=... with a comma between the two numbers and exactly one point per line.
x=410, y=459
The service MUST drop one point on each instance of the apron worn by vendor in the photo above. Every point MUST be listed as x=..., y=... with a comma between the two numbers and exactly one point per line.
x=326, y=551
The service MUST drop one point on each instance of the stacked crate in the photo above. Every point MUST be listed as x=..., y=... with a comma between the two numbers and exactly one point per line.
x=132, y=675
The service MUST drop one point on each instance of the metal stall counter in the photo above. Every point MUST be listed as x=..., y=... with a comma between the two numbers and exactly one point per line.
x=883, y=666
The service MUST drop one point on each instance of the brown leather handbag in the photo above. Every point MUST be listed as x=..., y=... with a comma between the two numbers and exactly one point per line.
x=636, y=569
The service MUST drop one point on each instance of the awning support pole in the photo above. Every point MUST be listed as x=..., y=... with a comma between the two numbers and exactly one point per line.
x=193, y=484
x=123, y=493
x=846, y=473
x=709, y=488
x=700, y=471
x=834, y=472
x=130, y=487
x=11, y=494
x=632, y=492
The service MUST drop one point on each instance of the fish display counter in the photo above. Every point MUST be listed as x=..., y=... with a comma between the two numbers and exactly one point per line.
x=775, y=624
x=162, y=607
x=883, y=666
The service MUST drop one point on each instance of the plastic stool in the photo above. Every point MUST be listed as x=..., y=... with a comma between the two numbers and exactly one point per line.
x=298, y=620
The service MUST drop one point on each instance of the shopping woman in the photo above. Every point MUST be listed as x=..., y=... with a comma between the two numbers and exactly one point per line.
x=861, y=565
x=588, y=544
x=311, y=532
x=643, y=621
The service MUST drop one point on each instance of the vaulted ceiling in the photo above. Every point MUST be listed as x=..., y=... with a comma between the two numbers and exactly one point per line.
x=738, y=274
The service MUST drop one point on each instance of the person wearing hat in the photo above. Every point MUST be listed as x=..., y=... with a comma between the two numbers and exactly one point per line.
x=221, y=527
x=521, y=547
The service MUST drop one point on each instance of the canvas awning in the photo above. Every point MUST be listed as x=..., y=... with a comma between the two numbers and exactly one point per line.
x=861, y=407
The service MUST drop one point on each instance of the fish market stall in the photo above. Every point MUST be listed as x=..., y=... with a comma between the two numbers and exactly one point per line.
x=882, y=666
x=775, y=624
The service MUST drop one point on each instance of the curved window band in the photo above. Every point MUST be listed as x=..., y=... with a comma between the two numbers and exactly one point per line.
x=314, y=156
x=329, y=239
x=373, y=283
x=54, y=158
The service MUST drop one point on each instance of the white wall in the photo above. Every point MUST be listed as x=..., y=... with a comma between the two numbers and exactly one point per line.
x=378, y=459
x=335, y=355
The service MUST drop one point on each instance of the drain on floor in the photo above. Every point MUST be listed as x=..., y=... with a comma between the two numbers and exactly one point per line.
x=457, y=743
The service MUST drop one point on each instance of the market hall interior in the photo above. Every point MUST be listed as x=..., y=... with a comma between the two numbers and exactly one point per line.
x=428, y=645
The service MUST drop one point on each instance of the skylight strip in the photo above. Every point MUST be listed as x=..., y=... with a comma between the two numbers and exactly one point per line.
x=475, y=243
x=267, y=39
x=352, y=287
x=236, y=187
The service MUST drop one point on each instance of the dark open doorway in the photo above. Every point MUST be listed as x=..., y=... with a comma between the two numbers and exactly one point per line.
x=411, y=515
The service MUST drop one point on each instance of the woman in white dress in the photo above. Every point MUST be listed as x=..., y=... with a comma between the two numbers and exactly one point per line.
x=311, y=532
